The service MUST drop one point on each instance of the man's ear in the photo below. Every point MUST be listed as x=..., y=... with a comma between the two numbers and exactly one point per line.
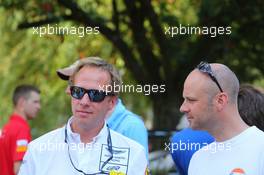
x=221, y=100
x=21, y=101
x=68, y=91
x=113, y=101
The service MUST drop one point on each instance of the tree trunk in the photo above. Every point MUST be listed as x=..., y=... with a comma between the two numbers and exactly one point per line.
x=166, y=111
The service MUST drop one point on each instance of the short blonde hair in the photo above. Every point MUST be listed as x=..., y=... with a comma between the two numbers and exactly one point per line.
x=103, y=65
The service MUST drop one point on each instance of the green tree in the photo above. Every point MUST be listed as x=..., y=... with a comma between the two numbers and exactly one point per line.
x=141, y=31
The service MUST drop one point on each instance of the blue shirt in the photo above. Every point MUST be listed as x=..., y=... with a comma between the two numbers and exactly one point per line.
x=184, y=144
x=128, y=124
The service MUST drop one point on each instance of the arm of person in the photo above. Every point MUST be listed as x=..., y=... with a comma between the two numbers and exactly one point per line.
x=21, y=144
x=28, y=164
x=137, y=131
x=139, y=163
x=17, y=165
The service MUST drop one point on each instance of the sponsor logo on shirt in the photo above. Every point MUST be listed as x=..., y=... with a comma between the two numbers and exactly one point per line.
x=147, y=172
x=115, y=151
x=119, y=162
x=113, y=168
x=237, y=171
x=21, y=145
x=2, y=133
x=116, y=173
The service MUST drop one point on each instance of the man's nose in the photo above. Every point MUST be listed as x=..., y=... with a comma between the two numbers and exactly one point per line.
x=184, y=107
x=38, y=106
x=85, y=99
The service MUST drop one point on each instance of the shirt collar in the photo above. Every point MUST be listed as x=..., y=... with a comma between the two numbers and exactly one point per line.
x=18, y=118
x=75, y=137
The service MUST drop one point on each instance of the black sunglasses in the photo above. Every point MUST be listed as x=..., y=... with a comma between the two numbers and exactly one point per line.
x=110, y=149
x=206, y=68
x=94, y=94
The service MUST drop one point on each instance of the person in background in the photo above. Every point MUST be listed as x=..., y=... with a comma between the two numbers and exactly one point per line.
x=15, y=135
x=86, y=145
x=120, y=119
x=184, y=144
x=251, y=105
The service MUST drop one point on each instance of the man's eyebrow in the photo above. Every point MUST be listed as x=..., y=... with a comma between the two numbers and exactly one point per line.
x=189, y=97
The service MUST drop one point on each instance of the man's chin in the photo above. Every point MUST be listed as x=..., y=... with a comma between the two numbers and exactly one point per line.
x=193, y=126
x=30, y=117
x=82, y=117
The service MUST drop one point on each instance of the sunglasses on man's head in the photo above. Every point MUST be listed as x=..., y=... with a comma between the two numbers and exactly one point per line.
x=206, y=68
x=93, y=94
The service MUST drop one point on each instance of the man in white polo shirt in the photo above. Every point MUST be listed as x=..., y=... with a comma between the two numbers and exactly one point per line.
x=120, y=119
x=86, y=145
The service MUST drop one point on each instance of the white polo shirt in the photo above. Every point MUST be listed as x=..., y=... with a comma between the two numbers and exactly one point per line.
x=49, y=154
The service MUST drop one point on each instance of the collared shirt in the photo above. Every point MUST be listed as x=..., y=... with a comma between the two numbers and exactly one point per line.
x=49, y=154
x=14, y=140
x=128, y=124
x=242, y=154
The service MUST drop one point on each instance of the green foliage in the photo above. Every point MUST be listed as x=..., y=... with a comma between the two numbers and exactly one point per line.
x=129, y=38
x=28, y=58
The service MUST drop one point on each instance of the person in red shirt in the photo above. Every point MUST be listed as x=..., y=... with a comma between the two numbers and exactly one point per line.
x=15, y=135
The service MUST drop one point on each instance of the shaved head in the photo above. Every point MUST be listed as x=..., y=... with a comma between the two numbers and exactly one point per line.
x=228, y=81
x=225, y=77
x=202, y=82
x=210, y=101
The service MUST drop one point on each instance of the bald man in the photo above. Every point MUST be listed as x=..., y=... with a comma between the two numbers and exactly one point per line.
x=210, y=104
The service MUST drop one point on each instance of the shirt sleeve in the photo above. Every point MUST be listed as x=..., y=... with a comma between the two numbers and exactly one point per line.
x=22, y=140
x=139, y=164
x=136, y=131
x=193, y=166
x=28, y=165
x=262, y=163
